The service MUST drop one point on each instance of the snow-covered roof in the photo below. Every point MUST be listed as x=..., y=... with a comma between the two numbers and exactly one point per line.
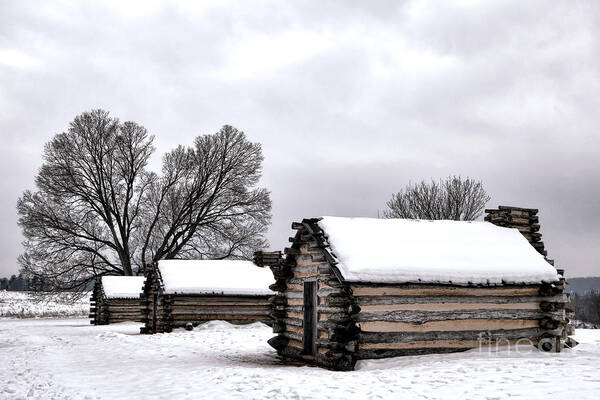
x=458, y=252
x=122, y=286
x=215, y=277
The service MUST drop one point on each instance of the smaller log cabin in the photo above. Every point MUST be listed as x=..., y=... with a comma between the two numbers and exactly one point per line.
x=364, y=288
x=116, y=299
x=186, y=293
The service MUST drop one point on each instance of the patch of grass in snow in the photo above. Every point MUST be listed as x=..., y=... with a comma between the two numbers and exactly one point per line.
x=26, y=305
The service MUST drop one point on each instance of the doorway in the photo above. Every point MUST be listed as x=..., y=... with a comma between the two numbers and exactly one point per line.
x=310, y=317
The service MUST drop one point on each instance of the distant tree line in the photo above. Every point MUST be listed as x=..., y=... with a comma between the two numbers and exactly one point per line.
x=22, y=282
x=15, y=283
x=586, y=306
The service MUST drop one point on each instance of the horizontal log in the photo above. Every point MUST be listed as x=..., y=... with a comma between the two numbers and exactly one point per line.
x=310, y=248
x=295, y=329
x=321, y=309
x=292, y=321
x=318, y=278
x=303, y=260
x=327, y=291
x=111, y=303
x=443, y=344
x=290, y=251
x=333, y=325
x=336, y=300
x=291, y=335
x=257, y=302
x=295, y=302
x=224, y=317
x=454, y=325
x=238, y=306
x=200, y=297
x=375, y=300
x=306, y=274
x=124, y=309
x=294, y=314
x=425, y=316
x=305, y=268
x=381, y=353
x=324, y=316
x=450, y=306
x=220, y=312
x=277, y=301
x=416, y=290
x=392, y=337
x=125, y=315
x=519, y=210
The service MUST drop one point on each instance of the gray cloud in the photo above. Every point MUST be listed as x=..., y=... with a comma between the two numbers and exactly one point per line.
x=350, y=102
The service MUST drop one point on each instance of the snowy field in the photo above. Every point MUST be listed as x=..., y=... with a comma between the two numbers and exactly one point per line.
x=23, y=305
x=70, y=359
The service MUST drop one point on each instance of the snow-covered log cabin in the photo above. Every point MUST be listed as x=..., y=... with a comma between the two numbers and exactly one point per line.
x=116, y=299
x=186, y=293
x=363, y=288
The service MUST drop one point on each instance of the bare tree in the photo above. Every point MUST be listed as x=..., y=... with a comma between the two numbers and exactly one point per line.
x=204, y=204
x=98, y=211
x=452, y=198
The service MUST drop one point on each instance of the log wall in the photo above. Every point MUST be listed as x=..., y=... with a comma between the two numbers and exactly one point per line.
x=105, y=310
x=121, y=310
x=418, y=318
x=164, y=312
x=197, y=309
x=156, y=306
x=367, y=320
x=98, y=314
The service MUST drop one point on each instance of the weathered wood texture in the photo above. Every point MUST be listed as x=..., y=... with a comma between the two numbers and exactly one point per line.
x=368, y=320
x=157, y=305
x=523, y=219
x=98, y=314
x=164, y=312
x=527, y=221
x=105, y=310
x=452, y=317
x=307, y=261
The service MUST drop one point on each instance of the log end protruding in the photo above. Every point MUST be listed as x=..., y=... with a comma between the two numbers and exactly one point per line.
x=278, y=342
x=267, y=258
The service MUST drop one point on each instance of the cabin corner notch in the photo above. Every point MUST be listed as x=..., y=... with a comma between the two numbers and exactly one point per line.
x=313, y=306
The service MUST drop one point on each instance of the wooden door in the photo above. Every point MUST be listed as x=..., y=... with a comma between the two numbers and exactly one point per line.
x=310, y=317
x=154, y=311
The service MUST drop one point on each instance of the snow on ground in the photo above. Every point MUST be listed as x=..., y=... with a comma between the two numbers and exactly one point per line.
x=70, y=359
x=23, y=305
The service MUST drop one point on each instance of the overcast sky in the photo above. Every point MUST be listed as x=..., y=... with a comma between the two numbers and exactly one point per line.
x=349, y=102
